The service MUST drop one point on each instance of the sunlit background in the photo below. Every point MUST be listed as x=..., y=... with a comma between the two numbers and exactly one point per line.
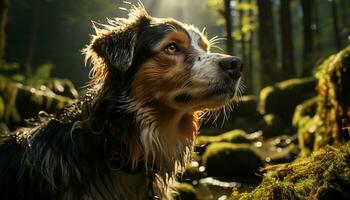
x=53, y=32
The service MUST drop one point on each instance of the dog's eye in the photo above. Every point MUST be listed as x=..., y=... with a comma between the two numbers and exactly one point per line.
x=172, y=48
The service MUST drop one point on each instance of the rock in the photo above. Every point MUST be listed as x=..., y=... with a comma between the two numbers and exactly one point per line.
x=193, y=172
x=282, y=98
x=324, y=175
x=184, y=191
x=23, y=102
x=227, y=160
x=234, y=136
x=272, y=126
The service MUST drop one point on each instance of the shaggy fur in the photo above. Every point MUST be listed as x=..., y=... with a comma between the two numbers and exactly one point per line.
x=134, y=129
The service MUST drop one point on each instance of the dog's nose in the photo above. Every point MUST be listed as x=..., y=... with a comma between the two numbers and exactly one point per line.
x=232, y=65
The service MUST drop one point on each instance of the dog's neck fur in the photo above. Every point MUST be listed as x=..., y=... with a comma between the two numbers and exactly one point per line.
x=161, y=138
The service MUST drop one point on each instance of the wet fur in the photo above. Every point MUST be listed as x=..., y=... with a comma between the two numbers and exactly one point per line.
x=106, y=145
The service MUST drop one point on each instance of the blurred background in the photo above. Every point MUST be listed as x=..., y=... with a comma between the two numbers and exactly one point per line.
x=295, y=103
x=277, y=39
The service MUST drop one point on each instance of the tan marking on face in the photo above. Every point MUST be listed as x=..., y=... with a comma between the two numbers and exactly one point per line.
x=203, y=43
x=155, y=84
x=179, y=37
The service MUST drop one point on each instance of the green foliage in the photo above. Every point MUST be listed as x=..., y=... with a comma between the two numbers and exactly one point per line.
x=38, y=78
x=4, y=66
x=41, y=75
x=249, y=23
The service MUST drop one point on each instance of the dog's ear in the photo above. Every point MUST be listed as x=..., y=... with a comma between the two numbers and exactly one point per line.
x=115, y=48
x=114, y=42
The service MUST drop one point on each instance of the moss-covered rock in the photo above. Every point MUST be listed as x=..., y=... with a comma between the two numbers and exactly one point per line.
x=193, y=171
x=334, y=99
x=324, y=175
x=282, y=98
x=22, y=102
x=234, y=136
x=306, y=109
x=227, y=160
x=272, y=126
x=184, y=191
x=306, y=134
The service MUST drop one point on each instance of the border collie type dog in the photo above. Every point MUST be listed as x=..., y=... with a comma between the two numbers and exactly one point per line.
x=135, y=128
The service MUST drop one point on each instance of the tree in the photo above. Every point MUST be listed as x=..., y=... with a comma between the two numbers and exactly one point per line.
x=308, y=40
x=267, y=42
x=336, y=32
x=226, y=13
x=33, y=38
x=3, y=21
x=242, y=32
x=288, y=69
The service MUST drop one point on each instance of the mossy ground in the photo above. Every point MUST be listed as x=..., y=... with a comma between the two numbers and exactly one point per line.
x=324, y=175
x=234, y=136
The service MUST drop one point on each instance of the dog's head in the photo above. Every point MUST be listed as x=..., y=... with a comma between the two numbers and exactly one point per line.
x=161, y=71
x=166, y=62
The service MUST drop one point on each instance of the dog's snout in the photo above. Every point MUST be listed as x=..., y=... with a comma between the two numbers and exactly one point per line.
x=232, y=65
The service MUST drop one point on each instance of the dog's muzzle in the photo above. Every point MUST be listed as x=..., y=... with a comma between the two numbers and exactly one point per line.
x=233, y=66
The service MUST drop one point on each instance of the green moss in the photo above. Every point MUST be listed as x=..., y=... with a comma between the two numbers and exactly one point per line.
x=234, y=136
x=273, y=126
x=334, y=98
x=306, y=109
x=227, y=160
x=184, y=191
x=324, y=175
x=282, y=98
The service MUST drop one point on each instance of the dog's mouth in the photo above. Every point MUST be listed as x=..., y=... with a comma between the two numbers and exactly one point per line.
x=214, y=97
x=222, y=91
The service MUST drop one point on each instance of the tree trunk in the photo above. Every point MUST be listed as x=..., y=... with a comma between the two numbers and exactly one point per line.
x=33, y=38
x=308, y=50
x=267, y=43
x=3, y=21
x=288, y=69
x=249, y=56
x=240, y=25
x=318, y=45
x=226, y=13
x=336, y=32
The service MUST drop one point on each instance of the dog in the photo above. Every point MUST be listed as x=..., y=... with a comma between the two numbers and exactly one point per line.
x=134, y=129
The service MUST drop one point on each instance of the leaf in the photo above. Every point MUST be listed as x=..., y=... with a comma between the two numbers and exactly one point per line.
x=18, y=77
x=8, y=66
x=41, y=75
